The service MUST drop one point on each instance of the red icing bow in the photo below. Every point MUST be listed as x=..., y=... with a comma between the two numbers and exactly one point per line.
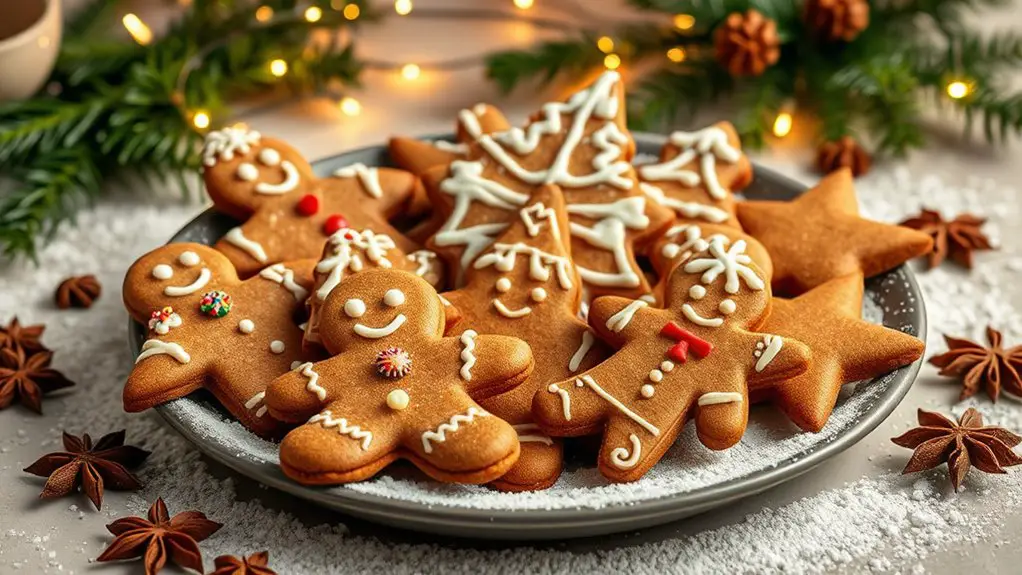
x=687, y=341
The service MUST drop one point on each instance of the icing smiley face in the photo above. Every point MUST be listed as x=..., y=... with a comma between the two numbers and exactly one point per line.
x=714, y=282
x=177, y=275
x=356, y=308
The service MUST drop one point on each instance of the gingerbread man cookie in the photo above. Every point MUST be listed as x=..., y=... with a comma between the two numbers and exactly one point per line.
x=288, y=212
x=397, y=388
x=525, y=286
x=694, y=359
x=697, y=173
x=350, y=251
x=208, y=328
x=581, y=145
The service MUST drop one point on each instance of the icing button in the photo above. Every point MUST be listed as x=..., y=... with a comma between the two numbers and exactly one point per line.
x=308, y=205
x=334, y=223
x=397, y=399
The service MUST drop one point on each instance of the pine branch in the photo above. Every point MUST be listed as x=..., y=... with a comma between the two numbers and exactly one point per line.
x=547, y=61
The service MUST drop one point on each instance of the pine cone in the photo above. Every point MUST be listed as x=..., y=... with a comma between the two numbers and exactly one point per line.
x=843, y=153
x=747, y=44
x=78, y=292
x=835, y=20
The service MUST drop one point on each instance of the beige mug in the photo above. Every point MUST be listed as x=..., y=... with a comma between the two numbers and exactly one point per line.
x=29, y=41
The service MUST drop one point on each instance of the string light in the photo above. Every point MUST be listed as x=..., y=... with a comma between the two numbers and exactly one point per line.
x=278, y=67
x=264, y=13
x=523, y=4
x=684, y=21
x=337, y=4
x=958, y=89
x=612, y=61
x=350, y=106
x=200, y=120
x=403, y=7
x=313, y=13
x=410, y=71
x=782, y=124
x=351, y=11
x=676, y=54
x=605, y=44
x=137, y=28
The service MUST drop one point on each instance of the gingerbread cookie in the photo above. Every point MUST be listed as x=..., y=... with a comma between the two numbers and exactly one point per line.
x=418, y=156
x=845, y=348
x=287, y=212
x=697, y=173
x=525, y=286
x=350, y=251
x=397, y=388
x=694, y=359
x=581, y=145
x=819, y=236
x=207, y=328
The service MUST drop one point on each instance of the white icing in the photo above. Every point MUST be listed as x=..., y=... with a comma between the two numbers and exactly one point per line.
x=290, y=183
x=733, y=263
x=718, y=397
x=709, y=145
x=693, y=316
x=451, y=147
x=647, y=391
x=223, y=144
x=727, y=307
x=163, y=327
x=394, y=297
x=247, y=172
x=588, y=380
x=425, y=265
x=697, y=292
x=246, y=326
x=667, y=366
x=511, y=313
x=503, y=257
x=237, y=238
x=277, y=346
x=199, y=283
x=189, y=258
x=648, y=298
x=767, y=350
x=354, y=308
x=269, y=157
x=530, y=433
x=326, y=419
x=656, y=376
x=693, y=210
x=621, y=319
x=452, y=425
x=536, y=217
x=538, y=294
x=285, y=277
x=163, y=272
x=565, y=400
x=378, y=332
x=622, y=458
x=468, y=358
x=256, y=400
x=153, y=347
x=502, y=285
x=398, y=399
x=369, y=177
x=609, y=233
x=583, y=349
x=312, y=386
x=344, y=256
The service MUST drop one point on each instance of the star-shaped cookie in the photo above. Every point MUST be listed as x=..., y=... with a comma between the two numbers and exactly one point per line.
x=820, y=236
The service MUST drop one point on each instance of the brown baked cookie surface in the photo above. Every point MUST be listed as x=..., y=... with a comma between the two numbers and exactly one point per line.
x=396, y=388
x=288, y=212
x=210, y=329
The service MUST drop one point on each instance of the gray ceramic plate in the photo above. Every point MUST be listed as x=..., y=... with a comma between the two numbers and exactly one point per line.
x=689, y=480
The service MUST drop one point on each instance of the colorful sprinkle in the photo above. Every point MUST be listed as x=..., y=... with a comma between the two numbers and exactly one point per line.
x=215, y=303
x=393, y=363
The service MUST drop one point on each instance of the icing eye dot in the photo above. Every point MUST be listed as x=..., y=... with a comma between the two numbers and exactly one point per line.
x=503, y=285
x=163, y=272
x=538, y=294
x=269, y=157
x=247, y=172
x=697, y=292
x=393, y=297
x=188, y=258
x=354, y=307
x=246, y=326
x=277, y=346
x=727, y=307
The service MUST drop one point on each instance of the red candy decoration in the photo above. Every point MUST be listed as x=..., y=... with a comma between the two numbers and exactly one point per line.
x=308, y=205
x=393, y=363
x=687, y=341
x=333, y=223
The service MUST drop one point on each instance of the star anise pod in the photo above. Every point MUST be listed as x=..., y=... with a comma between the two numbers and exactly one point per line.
x=962, y=445
x=956, y=239
x=28, y=378
x=160, y=538
x=26, y=337
x=254, y=564
x=90, y=467
x=993, y=368
x=79, y=291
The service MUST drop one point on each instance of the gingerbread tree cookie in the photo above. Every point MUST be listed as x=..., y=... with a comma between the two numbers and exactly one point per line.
x=697, y=173
x=819, y=236
x=397, y=388
x=845, y=348
x=418, y=156
x=696, y=358
x=287, y=212
x=525, y=286
x=208, y=328
x=581, y=145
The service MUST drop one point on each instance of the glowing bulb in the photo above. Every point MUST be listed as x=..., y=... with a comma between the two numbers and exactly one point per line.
x=350, y=106
x=676, y=55
x=402, y=7
x=337, y=5
x=958, y=89
x=200, y=120
x=410, y=71
x=278, y=67
x=605, y=44
x=612, y=61
x=684, y=21
x=313, y=13
x=137, y=28
x=523, y=4
x=351, y=11
x=782, y=124
x=264, y=13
